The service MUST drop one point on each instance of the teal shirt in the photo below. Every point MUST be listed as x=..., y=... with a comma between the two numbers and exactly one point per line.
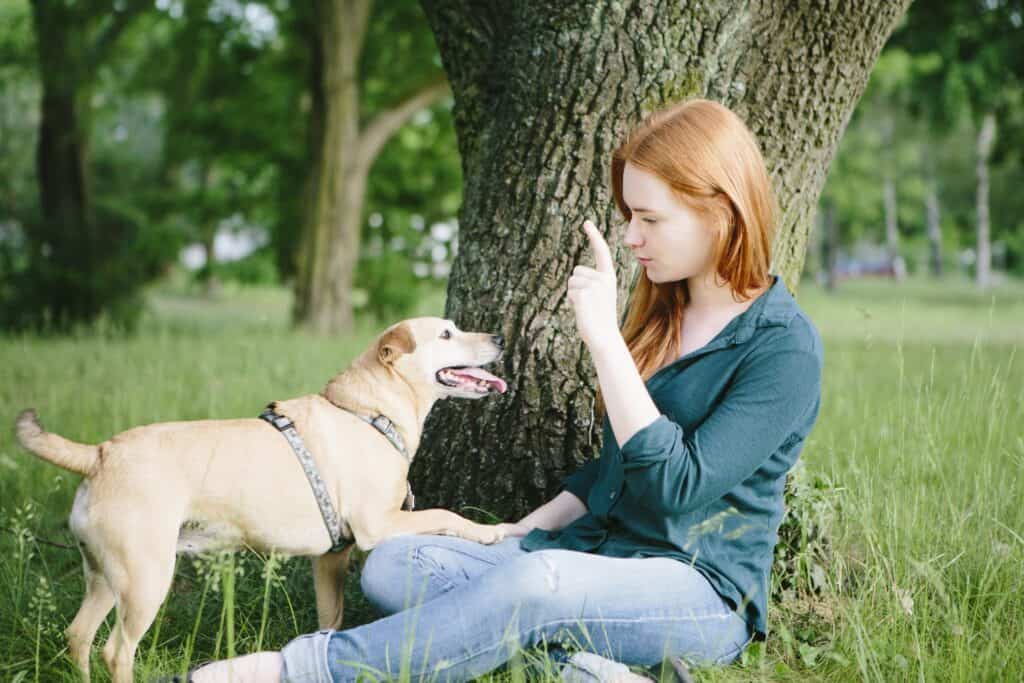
x=704, y=482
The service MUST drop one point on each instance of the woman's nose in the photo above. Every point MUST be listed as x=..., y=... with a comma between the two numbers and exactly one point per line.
x=632, y=237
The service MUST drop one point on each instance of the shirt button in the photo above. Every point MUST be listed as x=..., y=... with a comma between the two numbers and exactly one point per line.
x=611, y=495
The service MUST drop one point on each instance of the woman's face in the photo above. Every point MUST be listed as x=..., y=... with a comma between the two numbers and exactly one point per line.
x=670, y=240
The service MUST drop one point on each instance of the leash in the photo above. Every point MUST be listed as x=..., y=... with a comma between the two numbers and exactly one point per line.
x=337, y=529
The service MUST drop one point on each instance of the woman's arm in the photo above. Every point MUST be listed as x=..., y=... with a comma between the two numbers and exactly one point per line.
x=626, y=400
x=773, y=395
x=555, y=514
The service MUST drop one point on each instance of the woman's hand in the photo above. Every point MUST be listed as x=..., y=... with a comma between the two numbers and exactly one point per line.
x=593, y=293
x=511, y=529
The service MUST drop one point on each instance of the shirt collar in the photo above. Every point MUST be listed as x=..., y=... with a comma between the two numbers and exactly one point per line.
x=774, y=307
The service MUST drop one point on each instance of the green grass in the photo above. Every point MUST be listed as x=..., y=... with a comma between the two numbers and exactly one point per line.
x=920, y=430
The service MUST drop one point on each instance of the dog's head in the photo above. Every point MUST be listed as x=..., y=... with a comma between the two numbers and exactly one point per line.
x=434, y=353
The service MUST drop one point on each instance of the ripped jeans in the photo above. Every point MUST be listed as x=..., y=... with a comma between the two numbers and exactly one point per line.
x=459, y=609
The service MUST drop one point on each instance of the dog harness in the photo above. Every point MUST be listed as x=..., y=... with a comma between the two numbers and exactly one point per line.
x=337, y=528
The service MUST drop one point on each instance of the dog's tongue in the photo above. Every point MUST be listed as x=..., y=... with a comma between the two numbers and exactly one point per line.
x=479, y=373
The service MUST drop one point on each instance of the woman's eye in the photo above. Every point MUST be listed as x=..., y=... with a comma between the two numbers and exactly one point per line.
x=650, y=220
x=446, y=334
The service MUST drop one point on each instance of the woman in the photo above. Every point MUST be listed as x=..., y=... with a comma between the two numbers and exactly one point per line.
x=663, y=545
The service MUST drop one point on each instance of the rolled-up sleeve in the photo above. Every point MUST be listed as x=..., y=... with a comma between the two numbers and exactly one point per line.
x=771, y=395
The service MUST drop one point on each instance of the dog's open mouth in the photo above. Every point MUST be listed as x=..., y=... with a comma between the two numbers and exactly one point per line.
x=472, y=378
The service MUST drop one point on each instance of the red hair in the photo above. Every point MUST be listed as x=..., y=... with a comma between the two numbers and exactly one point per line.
x=712, y=163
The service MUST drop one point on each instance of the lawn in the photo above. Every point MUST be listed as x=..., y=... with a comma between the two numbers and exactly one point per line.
x=920, y=433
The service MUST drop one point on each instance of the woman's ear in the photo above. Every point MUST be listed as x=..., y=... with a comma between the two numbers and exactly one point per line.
x=395, y=342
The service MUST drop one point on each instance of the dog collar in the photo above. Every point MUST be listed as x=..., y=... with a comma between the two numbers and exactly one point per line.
x=384, y=425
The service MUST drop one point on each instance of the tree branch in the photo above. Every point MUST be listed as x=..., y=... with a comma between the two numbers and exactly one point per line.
x=97, y=52
x=387, y=123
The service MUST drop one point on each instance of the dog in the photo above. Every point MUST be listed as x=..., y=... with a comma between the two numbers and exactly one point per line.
x=187, y=487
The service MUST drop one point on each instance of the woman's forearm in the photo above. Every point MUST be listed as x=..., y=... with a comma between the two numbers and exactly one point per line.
x=556, y=513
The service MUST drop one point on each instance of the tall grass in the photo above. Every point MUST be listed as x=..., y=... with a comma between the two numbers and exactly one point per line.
x=921, y=431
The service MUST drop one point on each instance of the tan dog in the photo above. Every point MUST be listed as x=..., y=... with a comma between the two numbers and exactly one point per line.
x=171, y=487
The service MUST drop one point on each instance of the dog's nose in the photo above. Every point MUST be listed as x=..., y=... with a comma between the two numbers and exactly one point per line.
x=498, y=340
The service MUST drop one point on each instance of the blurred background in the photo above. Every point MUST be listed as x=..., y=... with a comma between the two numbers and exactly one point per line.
x=193, y=143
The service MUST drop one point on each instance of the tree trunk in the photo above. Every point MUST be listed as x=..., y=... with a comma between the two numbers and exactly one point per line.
x=331, y=235
x=66, y=236
x=342, y=156
x=70, y=253
x=933, y=219
x=830, y=244
x=892, y=224
x=543, y=94
x=889, y=202
x=986, y=136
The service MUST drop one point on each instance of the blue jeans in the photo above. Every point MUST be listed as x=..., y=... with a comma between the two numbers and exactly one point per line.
x=459, y=609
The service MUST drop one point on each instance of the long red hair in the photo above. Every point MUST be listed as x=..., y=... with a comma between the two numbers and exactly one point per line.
x=712, y=163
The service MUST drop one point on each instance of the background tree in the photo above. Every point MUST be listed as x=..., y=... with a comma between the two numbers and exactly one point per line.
x=543, y=95
x=978, y=66
x=77, y=262
x=345, y=139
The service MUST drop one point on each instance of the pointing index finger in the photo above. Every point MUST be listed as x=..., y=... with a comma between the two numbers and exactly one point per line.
x=602, y=254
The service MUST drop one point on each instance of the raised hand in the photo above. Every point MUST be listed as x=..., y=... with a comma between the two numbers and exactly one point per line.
x=593, y=294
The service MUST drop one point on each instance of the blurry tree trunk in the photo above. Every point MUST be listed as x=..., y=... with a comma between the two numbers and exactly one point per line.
x=986, y=136
x=544, y=93
x=71, y=43
x=830, y=244
x=889, y=201
x=68, y=240
x=933, y=218
x=342, y=154
x=892, y=225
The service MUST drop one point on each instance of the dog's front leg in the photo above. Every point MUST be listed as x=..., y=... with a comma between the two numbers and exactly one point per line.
x=437, y=521
x=329, y=583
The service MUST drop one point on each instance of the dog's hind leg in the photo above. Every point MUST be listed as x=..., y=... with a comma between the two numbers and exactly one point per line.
x=140, y=584
x=99, y=599
x=329, y=582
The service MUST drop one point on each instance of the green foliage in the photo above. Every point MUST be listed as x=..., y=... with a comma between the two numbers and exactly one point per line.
x=390, y=290
x=258, y=268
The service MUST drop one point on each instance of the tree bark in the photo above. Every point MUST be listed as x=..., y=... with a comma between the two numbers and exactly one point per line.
x=986, y=136
x=544, y=92
x=342, y=156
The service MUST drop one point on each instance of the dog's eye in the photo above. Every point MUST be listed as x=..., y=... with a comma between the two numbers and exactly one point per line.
x=447, y=334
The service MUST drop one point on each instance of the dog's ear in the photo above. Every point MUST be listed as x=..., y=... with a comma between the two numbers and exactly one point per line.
x=397, y=341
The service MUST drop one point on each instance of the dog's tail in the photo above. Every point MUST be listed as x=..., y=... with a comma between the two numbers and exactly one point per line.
x=62, y=452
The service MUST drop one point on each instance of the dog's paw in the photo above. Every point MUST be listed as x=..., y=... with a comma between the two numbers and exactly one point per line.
x=491, y=534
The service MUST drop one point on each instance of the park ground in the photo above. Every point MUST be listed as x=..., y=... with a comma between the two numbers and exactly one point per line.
x=920, y=440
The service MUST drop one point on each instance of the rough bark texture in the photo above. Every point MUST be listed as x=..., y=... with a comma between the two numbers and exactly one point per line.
x=986, y=136
x=342, y=156
x=544, y=92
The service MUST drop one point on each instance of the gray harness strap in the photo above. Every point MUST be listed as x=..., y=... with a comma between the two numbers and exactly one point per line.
x=338, y=530
x=386, y=427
